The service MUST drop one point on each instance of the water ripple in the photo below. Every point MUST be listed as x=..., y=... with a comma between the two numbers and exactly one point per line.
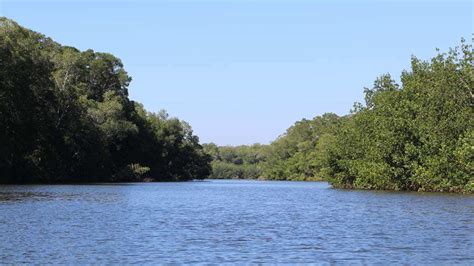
x=232, y=222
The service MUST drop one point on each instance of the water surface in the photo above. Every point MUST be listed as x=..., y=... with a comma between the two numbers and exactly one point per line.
x=232, y=222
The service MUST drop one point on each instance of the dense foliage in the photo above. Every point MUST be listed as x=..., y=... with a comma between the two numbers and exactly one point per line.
x=240, y=162
x=296, y=154
x=416, y=135
x=293, y=156
x=65, y=116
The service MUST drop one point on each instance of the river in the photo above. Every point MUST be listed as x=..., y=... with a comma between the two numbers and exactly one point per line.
x=232, y=221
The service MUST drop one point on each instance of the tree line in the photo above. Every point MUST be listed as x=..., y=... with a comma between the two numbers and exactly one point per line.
x=65, y=116
x=239, y=162
x=416, y=134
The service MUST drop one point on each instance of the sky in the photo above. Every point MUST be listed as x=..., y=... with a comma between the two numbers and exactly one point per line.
x=242, y=71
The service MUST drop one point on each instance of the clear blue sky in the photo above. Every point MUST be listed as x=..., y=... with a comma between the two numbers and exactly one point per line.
x=243, y=71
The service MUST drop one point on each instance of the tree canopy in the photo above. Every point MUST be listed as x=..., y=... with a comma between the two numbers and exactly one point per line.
x=417, y=135
x=414, y=135
x=66, y=117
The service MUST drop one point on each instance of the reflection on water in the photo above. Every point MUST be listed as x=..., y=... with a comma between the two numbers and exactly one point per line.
x=233, y=222
x=18, y=196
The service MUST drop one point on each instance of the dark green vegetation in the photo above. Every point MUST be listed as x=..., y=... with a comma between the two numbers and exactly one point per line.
x=416, y=135
x=65, y=116
x=297, y=155
x=240, y=162
x=293, y=156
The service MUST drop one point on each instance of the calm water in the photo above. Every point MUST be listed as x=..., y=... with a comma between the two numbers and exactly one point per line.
x=232, y=222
